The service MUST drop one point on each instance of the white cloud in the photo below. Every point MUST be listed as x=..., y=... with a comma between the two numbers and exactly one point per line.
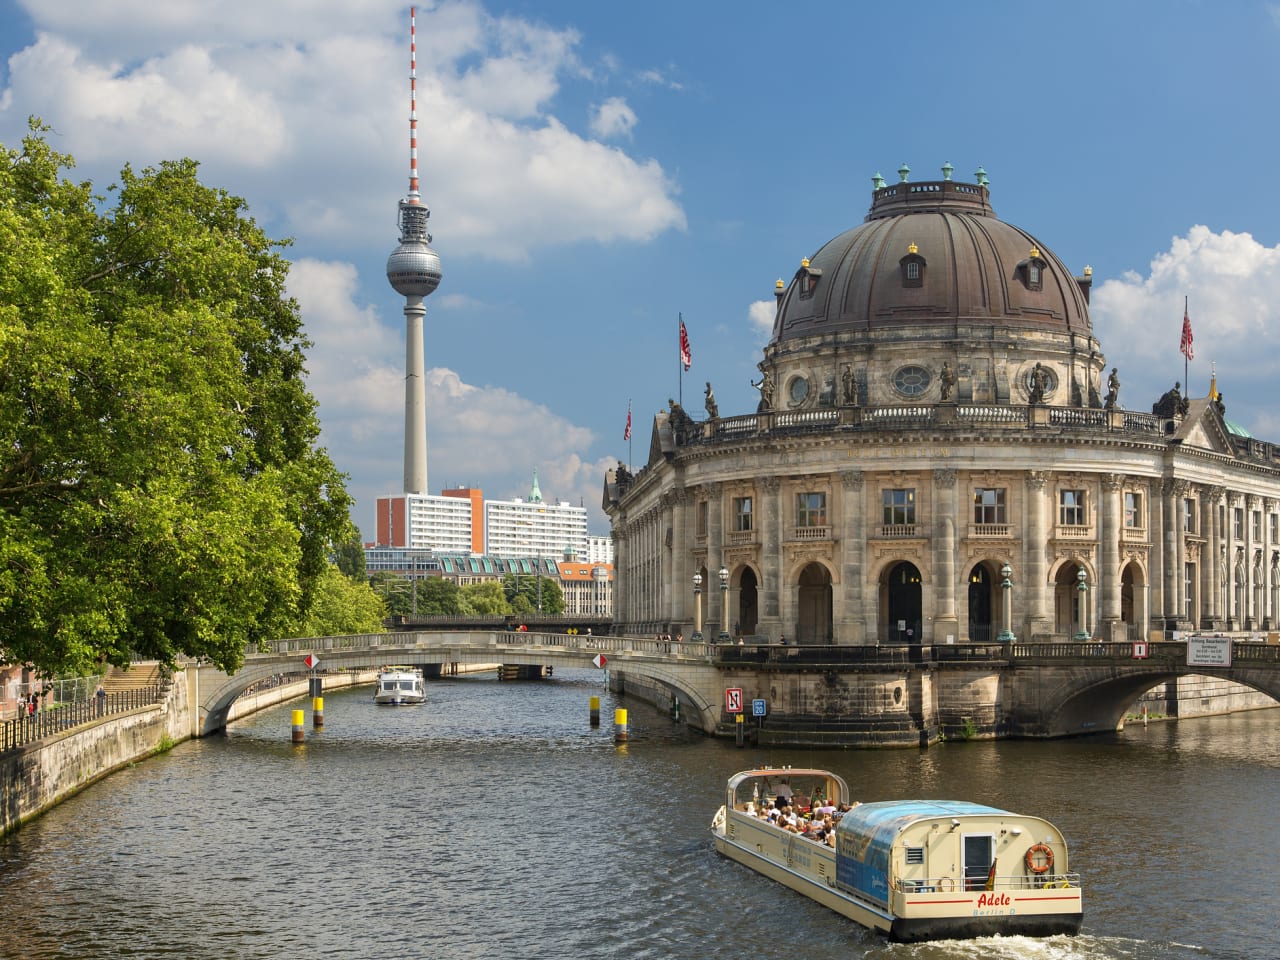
x=761, y=315
x=612, y=119
x=1232, y=285
x=304, y=109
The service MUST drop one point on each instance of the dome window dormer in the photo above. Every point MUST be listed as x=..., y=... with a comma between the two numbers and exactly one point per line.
x=807, y=278
x=912, y=267
x=1031, y=270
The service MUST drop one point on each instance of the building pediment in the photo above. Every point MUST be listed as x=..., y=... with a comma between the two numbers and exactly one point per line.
x=1204, y=428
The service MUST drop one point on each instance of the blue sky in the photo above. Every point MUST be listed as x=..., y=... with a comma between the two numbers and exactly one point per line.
x=595, y=169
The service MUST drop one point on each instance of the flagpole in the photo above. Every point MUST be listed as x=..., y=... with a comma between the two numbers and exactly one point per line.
x=628, y=434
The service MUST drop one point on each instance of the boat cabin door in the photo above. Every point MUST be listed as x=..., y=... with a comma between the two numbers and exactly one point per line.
x=979, y=849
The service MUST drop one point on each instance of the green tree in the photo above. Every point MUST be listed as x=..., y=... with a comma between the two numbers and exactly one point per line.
x=436, y=596
x=161, y=493
x=342, y=606
x=395, y=591
x=523, y=594
x=484, y=599
x=348, y=554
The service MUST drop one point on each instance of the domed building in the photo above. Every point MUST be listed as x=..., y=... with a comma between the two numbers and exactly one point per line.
x=940, y=454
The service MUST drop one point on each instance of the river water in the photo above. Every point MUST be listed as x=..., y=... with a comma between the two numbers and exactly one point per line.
x=494, y=822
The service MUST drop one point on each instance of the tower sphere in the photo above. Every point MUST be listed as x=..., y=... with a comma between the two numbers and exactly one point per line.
x=413, y=269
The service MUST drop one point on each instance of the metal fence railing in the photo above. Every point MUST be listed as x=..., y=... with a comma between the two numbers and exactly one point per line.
x=65, y=715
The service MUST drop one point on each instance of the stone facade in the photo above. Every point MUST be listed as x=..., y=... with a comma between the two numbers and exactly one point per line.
x=934, y=447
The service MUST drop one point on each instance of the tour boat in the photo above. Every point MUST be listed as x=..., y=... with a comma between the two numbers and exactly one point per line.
x=911, y=869
x=401, y=685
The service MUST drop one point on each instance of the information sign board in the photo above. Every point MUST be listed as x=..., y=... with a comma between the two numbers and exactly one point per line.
x=1208, y=651
x=733, y=699
x=758, y=708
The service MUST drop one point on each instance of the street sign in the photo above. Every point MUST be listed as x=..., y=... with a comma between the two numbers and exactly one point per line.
x=1140, y=650
x=599, y=659
x=311, y=660
x=1208, y=651
x=758, y=708
x=733, y=699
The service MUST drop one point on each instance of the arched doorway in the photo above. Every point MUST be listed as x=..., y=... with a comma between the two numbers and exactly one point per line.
x=748, y=600
x=1133, y=601
x=1067, y=597
x=982, y=605
x=902, y=604
x=813, y=605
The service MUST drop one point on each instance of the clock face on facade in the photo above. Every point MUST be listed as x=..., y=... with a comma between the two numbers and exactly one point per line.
x=797, y=390
x=911, y=380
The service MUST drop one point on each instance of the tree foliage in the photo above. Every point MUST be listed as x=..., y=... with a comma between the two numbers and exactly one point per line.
x=525, y=592
x=484, y=600
x=161, y=493
x=342, y=606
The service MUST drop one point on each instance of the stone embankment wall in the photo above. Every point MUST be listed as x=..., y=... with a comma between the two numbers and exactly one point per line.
x=37, y=776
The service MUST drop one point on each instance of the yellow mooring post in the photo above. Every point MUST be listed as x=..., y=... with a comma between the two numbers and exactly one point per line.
x=595, y=711
x=317, y=712
x=620, y=725
x=297, y=725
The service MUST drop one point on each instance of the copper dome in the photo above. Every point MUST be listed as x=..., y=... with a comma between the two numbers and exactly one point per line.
x=931, y=254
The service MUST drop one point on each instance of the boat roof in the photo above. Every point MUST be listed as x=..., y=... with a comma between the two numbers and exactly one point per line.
x=780, y=772
x=905, y=812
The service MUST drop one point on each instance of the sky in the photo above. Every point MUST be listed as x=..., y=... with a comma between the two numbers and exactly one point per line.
x=595, y=171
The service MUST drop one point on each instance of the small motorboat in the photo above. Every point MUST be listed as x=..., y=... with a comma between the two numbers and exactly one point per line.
x=400, y=685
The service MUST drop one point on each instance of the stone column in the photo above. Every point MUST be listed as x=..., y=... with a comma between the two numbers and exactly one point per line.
x=945, y=621
x=712, y=596
x=1252, y=504
x=850, y=627
x=771, y=570
x=1234, y=614
x=1209, y=560
x=1268, y=612
x=1109, y=624
x=620, y=559
x=1169, y=541
x=1038, y=618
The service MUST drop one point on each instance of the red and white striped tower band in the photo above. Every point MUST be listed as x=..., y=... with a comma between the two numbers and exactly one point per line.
x=413, y=270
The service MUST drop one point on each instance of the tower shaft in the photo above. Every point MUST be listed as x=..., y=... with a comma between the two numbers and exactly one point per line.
x=415, y=399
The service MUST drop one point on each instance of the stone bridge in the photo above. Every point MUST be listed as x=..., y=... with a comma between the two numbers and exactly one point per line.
x=816, y=695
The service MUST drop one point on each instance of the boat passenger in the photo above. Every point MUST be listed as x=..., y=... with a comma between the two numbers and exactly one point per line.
x=784, y=789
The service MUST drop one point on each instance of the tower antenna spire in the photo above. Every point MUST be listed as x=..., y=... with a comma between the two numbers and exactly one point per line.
x=413, y=105
x=413, y=270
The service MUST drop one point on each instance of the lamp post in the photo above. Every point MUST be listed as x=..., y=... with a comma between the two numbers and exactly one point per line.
x=1082, y=585
x=724, y=607
x=1006, y=585
x=697, y=608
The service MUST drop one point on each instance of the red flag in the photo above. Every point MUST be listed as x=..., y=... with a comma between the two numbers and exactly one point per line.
x=1186, y=336
x=686, y=355
x=626, y=434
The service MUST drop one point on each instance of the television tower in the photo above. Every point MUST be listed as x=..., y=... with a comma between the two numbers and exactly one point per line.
x=413, y=270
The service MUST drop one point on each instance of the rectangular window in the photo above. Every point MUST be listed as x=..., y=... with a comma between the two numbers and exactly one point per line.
x=1071, y=512
x=1275, y=527
x=1257, y=526
x=899, y=506
x=1189, y=516
x=988, y=505
x=1237, y=522
x=700, y=523
x=1188, y=590
x=1133, y=511
x=811, y=509
x=742, y=514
